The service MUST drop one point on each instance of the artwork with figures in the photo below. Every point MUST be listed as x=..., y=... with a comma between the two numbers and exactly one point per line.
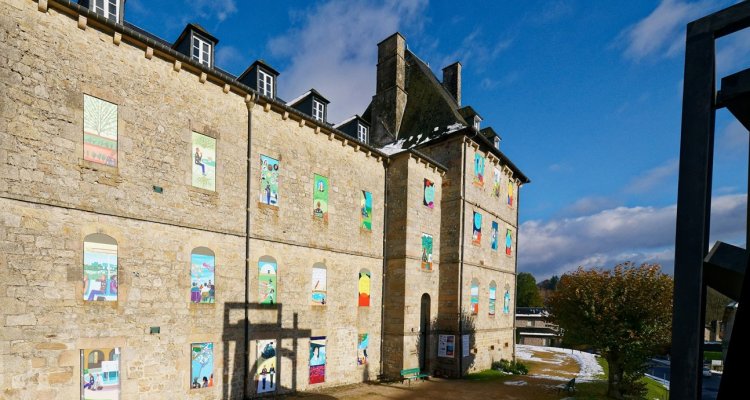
x=204, y=161
x=317, y=359
x=506, y=300
x=429, y=193
x=493, y=296
x=269, y=181
x=365, y=204
x=267, y=281
x=201, y=365
x=496, y=182
x=320, y=198
x=202, y=276
x=494, y=238
x=364, y=288
x=362, y=343
x=319, y=285
x=478, y=170
x=508, y=242
x=99, y=131
x=100, y=374
x=474, y=301
x=476, y=234
x=511, y=192
x=265, y=373
x=426, y=252
x=99, y=268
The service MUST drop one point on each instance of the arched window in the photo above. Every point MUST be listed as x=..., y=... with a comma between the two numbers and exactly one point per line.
x=319, y=284
x=493, y=296
x=364, y=288
x=202, y=276
x=506, y=300
x=267, y=280
x=474, y=296
x=99, y=268
x=114, y=355
x=95, y=359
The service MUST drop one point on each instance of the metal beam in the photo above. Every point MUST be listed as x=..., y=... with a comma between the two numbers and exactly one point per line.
x=724, y=269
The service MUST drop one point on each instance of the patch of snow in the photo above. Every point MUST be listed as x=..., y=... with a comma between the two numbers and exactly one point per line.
x=516, y=383
x=393, y=148
x=590, y=368
x=455, y=127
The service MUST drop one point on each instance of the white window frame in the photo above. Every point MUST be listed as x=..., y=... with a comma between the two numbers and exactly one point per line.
x=265, y=83
x=497, y=142
x=319, y=110
x=477, y=122
x=203, y=55
x=105, y=9
x=362, y=133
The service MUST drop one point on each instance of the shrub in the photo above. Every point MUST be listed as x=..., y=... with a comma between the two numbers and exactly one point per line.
x=511, y=367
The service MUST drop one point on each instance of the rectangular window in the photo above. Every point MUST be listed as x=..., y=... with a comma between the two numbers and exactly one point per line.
x=429, y=193
x=201, y=365
x=476, y=235
x=269, y=181
x=317, y=359
x=201, y=50
x=365, y=203
x=426, y=252
x=99, y=131
x=478, y=170
x=362, y=133
x=265, y=83
x=318, y=110
x=265, y=373
x=204, y=162
x=320, y=198
x=100, y=372
x=109, y=9
x=494, y=235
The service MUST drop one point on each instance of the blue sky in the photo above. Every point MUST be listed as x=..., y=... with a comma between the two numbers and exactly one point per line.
x=587, y=96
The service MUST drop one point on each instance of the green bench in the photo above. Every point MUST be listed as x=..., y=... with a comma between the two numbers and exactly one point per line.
x=412, y=373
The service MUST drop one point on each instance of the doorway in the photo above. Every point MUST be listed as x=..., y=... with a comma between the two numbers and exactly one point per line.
x=424, y=332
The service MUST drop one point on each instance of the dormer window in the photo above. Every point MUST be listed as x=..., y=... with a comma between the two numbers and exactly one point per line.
x=362, y=133
x=265, y=83
x=201, y=50
x=497, y=142
x=109, y=9
x=477, y=122
x=319, y=110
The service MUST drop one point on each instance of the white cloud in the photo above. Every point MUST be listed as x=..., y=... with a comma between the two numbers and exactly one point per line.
x=654, y=177
x=210, y=9
x=227, y=56
x=476, y=52
x=612, y=236
x=662, y=33
x=589, y=205
x=333, y=50
x=732, y=52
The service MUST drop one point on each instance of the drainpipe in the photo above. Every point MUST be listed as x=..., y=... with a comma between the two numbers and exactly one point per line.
x=518, y=211
x=250, y=103
x=461, y=263
x=385, y=264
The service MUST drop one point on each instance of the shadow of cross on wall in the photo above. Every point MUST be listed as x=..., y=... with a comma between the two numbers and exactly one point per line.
x=234, y=333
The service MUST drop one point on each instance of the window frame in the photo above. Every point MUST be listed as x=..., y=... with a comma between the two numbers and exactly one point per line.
x=198, y=57
x=264, y=86
x=105, y=9
x=318, y=107
x=362, y=133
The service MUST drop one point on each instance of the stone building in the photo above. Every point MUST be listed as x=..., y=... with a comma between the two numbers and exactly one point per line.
x=171, y=231
x=534, y=328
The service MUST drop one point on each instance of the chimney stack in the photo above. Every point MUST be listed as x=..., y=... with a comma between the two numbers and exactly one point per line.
x=452, y=80
x=389, y=102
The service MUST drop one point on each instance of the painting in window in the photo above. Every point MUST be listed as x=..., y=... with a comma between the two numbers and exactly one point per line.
x=496, y=182
x=100, y=374
x=476, y=232
x=363, y=341
x=495, y=234
x=99, y=131
x=201, y=365
x=474, y=297
x=202, y=276
x=506, y=300
x=265, y=373
x=426, y=252
x=429, y=193
x=317, y=359
x=478, y=169
x=365, y=204
x=269, y=181
x=511, y=192
x=364, y=288
x=508, y=242
x=204, y=161
x=99, y=268
x=267, y=280
x=320, y=198
x=319, y=285
x=493, y=296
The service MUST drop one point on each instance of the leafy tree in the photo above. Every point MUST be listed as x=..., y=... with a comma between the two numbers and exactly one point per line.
x=625, y=313
x=527, y=294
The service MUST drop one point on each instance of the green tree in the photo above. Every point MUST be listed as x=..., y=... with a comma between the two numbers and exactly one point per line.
x=527, y=293
x=625, y=313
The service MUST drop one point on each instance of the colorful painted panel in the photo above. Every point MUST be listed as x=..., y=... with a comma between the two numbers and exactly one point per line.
x=204, y=161
x=429, y=193
x=365, y=204
x=319, y=286
x=493, y=296
x=267, y=281
x=508, y=242
x=506, y=301
x=511, y=192
x=496, y=182
x=317, y=359
x=478, y=170
x=320, y=198
x=362, y=343
x=474, y=297
x=426, y=252
x=269, y=181
x=494, y=235
x=99, y=131
x=100, y=374
x=201, y=365
x=476, y=234
x=364, y=288
x=99, y=271
x=265, y=374
x=202, y=278
x=446, y=346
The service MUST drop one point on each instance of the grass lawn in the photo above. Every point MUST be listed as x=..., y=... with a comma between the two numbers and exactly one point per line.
x=598, y=390
x=712, y=355
x=487, y=375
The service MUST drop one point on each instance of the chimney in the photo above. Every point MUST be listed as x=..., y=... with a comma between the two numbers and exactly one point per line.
x=452, y=80
x=389, y=102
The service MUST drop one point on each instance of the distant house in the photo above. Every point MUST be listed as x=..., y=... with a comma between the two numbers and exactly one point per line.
x=533, y=327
